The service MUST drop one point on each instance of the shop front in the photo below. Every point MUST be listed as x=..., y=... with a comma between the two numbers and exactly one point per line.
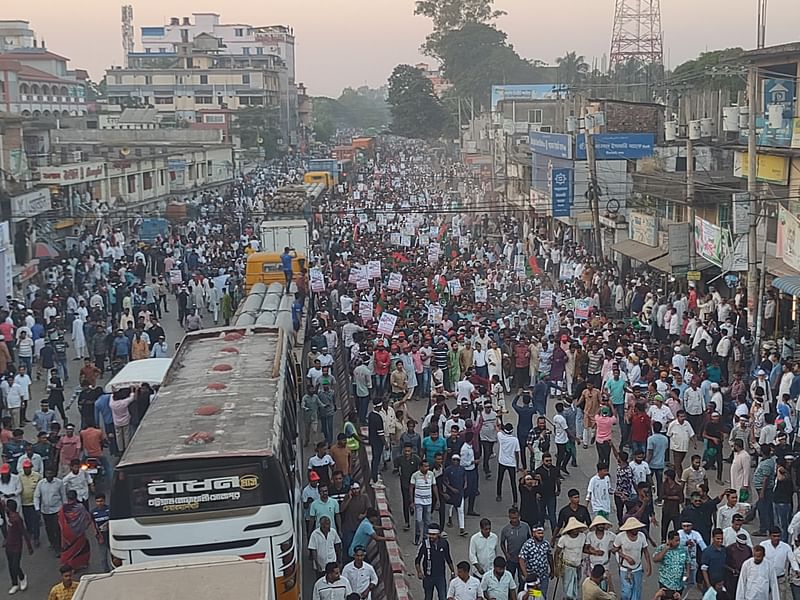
x=75, y=185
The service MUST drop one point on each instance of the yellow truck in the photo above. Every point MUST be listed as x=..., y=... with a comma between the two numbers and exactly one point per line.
x=321, y=177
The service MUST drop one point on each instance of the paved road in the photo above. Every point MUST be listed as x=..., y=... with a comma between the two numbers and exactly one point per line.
x=487, y=507
x=42, y=567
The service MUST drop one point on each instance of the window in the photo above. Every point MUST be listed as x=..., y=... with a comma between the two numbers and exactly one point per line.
x=184, y=35
x=545, y=129
x=114, y=191
x=246, y=79
x=147, y=181
x=161, y=178
x=203, y=100
x=213, y=118
x=238, y=32
x=245, y=50
x=131, y=184
x=147, y=50
x=164, y=99
x=724, y=217
x=148, y=80
x=203, y=79
x=259, y=50
x=162, y=50
x=535, y=115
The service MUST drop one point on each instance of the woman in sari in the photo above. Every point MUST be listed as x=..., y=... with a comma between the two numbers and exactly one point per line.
x=73, y=521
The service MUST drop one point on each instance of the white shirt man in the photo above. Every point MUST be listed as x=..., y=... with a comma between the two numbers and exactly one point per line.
x=483, y=549
x=360, y=577
x=324, y=546
x=464, y=589
x=757, y=581
x=679, y=435
x=778, y=555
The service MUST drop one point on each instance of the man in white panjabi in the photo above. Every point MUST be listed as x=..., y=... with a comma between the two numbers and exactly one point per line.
x=757, y=580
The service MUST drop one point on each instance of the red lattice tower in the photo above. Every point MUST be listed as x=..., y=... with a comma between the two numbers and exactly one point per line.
x=637, y=33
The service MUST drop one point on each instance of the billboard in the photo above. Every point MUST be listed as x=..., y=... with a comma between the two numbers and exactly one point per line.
x=558, y=145
x=615, y=146
x=715, y=245
x=562, y=192
x=524, y=92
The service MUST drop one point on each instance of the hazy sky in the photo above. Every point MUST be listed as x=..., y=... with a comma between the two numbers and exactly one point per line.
x=356, y=42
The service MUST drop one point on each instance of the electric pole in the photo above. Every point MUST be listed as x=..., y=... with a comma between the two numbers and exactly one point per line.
x=752, y=185
x=594, y=195
x=690, y=201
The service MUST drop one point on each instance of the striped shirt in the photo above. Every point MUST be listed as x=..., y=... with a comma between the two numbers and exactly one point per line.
x=423, y=487
x=595, y=362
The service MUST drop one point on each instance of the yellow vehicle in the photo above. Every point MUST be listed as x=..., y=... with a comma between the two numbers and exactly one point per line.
x=265, y=267
x=322, y=177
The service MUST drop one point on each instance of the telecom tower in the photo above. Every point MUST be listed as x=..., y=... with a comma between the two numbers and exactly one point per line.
x=127, y=32
x=637, y=33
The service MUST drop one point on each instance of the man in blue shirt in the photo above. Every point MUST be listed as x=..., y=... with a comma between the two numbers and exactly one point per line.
x=525, y=414
x=286, y=265
x=104, y=418
x=121, y=347
x=101, y=514
x=365, y=532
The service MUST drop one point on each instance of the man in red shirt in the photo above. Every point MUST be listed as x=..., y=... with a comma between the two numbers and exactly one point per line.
x=69, y=448
x=15, y=533
x=640, y=428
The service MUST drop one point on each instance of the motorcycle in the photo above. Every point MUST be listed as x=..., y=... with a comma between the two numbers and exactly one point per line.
x=94, y=467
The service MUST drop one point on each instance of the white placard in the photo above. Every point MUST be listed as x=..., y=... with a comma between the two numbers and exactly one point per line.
x=356, y=195
x=395, y=281
x=546, y=299
x=481, y=294
x=423, y=240
x=362, y=283
x=317, y=279
x=374, y=268
x=435, y=313
x=454, y=285
x=362, y=218
x=394, y=239
x=386, y=323
x=405, y=240
x=372, y=227
x=365, y=310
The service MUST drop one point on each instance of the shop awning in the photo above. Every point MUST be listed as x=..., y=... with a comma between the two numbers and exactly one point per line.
x=638, y=251
x=777, y=267
x=789, y=284
x=662, y=264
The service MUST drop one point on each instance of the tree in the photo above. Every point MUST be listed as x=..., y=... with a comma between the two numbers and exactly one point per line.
x=448, y=15
x=477, y=56
x=416, y=111
x=572, y=68
x=713, y=70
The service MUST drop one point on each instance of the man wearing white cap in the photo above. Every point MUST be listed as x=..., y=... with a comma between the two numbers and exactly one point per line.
x=630, y=545
x=570, y=548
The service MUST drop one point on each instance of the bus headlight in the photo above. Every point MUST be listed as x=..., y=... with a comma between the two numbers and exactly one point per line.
x=117, y=562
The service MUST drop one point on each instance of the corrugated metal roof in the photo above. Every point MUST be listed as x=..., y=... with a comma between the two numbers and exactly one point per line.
x=139, y=115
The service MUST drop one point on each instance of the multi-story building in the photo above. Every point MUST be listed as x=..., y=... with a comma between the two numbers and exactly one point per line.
x=195, y=76
x=35, y=82
x=243, y=45
x=15, y=34
x=439, y=83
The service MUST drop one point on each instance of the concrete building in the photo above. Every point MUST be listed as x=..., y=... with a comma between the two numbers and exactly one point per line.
x=237, y=40
x=440, y=84
x=15, y=34
x=35, y=82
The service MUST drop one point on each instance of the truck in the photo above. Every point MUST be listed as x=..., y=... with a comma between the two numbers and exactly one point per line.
x=182, y=579
x=325, y=164
x=287, y=223
x=153, y=227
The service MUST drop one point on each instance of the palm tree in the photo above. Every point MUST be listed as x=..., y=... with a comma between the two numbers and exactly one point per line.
x=572, y=68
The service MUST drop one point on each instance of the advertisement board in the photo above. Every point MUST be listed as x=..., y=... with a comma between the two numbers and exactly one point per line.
x=562, y=192
x=523, y=92
x=679, y=240
x=30, y=204
x=615, y=146
x=72, y=174
x=558, y=145
x=643, y=228
x=791, y=238
x=715, y=245
x=770, y=168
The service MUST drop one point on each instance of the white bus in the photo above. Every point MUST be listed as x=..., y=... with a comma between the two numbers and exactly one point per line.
x=211, y=468
x=182, y=579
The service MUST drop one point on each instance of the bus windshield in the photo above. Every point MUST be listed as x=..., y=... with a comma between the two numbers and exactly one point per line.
x=189, y=487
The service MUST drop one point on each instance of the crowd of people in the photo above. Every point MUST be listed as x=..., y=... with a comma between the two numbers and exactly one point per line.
x=481, y=346
x=102, y=304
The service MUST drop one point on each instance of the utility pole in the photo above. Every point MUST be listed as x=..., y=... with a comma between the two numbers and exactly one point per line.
x=690, y=201
x=594, y=196
x=752, y=184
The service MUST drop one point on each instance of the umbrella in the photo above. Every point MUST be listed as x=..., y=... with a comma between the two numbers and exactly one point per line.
x=44, y=250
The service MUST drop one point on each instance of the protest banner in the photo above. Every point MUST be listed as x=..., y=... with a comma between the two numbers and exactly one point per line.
x=481, y=294
x=546, y=299
x=374, y=267
x=395, y=281
x=454, y=285
x=317, y=279
x=435, y=313
x=365, y=310
x=386, y=323
x=583, y=308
